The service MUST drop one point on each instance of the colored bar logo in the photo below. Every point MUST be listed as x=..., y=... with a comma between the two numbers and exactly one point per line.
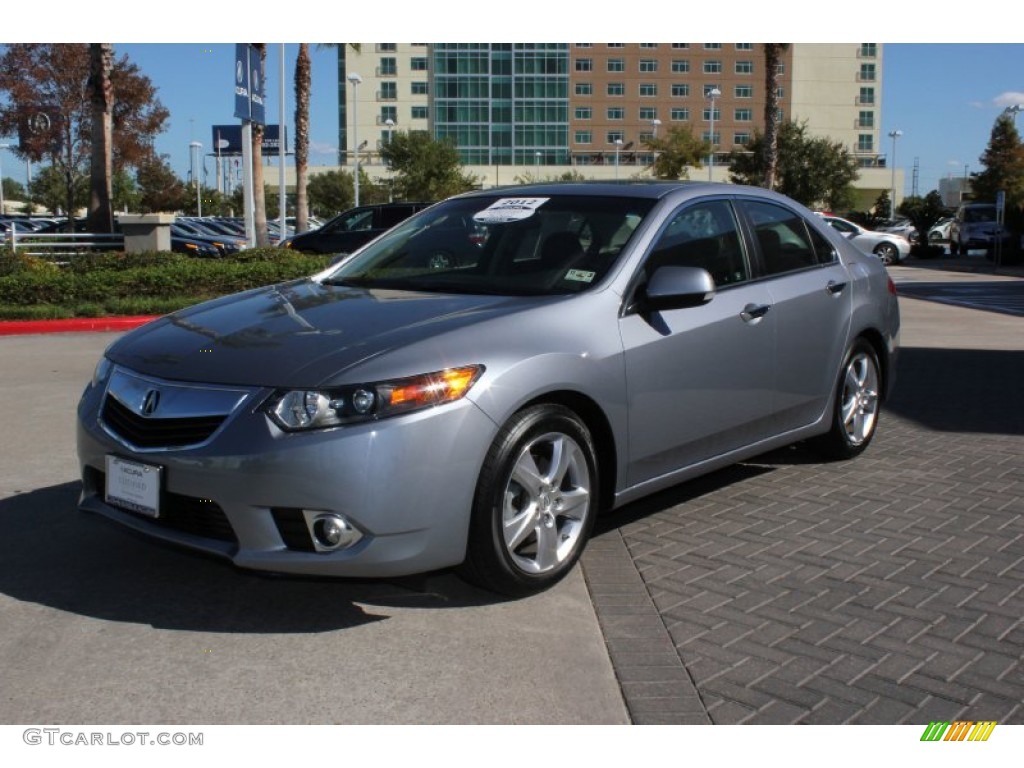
x=959, y=730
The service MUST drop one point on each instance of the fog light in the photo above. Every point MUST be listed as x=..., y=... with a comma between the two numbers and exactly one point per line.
x=331, y=531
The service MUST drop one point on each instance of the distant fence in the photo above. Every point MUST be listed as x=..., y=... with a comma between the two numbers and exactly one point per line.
x=62, y=243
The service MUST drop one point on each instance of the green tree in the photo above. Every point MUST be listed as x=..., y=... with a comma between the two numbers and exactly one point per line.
x=160, y=190
x=425, y=169
x=1004, y=165
x=811, y=170
x=677, y=152
x=770, y=146
x=54, y=78
x=331, y=193
x=49, y=191
x=124, y=191
x=923, y=212
x=14, y=189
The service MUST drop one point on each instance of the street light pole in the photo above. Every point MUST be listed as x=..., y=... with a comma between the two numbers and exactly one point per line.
x=355, y=80
x=391, y=182
x=618, y=146
x=714, y=93
x=197, y=158
x=892, y=203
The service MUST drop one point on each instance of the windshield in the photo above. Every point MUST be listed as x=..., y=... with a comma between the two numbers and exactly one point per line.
x=501, y=245
x=977, y=214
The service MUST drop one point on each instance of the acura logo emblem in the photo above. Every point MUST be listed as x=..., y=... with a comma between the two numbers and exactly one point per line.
x=150, y=402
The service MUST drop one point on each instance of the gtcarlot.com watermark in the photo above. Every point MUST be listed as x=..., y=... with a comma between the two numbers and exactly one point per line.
x=69, y=738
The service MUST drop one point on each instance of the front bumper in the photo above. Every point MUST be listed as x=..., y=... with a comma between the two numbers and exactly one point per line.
x=405, y=483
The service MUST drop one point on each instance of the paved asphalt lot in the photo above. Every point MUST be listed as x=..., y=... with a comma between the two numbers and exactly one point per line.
x=884, y=590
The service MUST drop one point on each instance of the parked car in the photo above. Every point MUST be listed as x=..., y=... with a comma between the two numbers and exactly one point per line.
x=397, y=414
x=901, y=227
x=974, y=227
x=891, y=248
x=939, y=233
x=348, y=231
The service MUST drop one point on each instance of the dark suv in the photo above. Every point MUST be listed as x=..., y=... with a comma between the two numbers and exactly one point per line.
x=351, y=229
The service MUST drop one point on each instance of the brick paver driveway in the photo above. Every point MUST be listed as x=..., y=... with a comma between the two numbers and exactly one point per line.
x=883, y=590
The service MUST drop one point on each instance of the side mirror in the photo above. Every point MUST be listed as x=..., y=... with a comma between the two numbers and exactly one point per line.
x=677, y=288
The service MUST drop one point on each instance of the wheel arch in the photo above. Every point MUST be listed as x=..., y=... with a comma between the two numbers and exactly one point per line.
x=877, y=341
x=596, y=421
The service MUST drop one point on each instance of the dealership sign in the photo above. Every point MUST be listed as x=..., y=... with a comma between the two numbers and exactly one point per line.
x=249, y=84
x=227, y=139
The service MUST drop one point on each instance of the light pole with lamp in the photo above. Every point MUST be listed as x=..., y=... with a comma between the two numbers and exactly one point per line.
x=618, y=146
x=892, y=203
x=196, y=154
x=2, y=148
x=713, y=94
x=390, y=124
x=536, y=165
x=355, y=80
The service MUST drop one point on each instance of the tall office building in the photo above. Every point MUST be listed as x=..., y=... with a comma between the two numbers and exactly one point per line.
x=528, y=110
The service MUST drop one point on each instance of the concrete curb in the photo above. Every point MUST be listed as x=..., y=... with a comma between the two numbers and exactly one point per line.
x=73, y=325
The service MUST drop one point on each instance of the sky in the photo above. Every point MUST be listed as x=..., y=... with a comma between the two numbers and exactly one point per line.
x=943, y=97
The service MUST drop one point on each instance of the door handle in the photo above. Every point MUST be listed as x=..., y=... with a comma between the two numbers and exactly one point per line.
x=754, y=312
x=835, y=288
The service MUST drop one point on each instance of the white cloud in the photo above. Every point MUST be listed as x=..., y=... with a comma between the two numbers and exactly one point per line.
x=1008, y=99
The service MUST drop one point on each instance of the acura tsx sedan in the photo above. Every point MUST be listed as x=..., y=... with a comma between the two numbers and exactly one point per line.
x=473, y=387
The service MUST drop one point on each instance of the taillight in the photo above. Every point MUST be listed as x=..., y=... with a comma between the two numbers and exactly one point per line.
x=892, y=287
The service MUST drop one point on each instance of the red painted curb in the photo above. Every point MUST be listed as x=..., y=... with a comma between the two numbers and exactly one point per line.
x=73, y=325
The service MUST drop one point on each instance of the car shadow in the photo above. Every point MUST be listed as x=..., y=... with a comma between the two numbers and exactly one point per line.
x=960, y=390
x=53, y=555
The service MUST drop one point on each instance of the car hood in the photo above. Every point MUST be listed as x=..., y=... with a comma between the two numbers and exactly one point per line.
x=298, y=334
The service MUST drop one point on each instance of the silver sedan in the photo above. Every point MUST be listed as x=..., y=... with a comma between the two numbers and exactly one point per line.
x=473, y=387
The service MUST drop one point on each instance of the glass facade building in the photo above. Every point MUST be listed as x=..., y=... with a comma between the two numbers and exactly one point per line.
x=502, y=103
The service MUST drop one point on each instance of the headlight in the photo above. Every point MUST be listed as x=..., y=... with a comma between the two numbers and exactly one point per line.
x=301, y=409
x=102, y=371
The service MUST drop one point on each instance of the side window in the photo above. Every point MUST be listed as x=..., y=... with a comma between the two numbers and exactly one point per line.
x=393, y=215
x=782, y=236
x=823, y=249
x=702, y=235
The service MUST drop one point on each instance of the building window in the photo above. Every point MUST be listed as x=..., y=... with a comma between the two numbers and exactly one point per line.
x=388, y=67
x=648, y=65
x=616, y=65
x=741, y=139
x=707, y=114
x=680, y=89
x=616, y=113
x=867, y=73
x=744, y=67
x=744, y=46
x=584, y=137
x=712, y=46
x=648, y=89
x=387, y=46
x=716, y=139
x=680, y=46
x=584, y=65
x=867, y=96
x=418, y=63
x=645, y=136
x=648, y=45
x=583, y=45
x=389, y=113
x=708, y=87
x=616, y=89
x=713, y=67
x=680, y=66
x=420, y=88
x=680, y=113
x=584, y=113
x=869, y=50
x=614, y=136
x=419, y=113
x=743, y=115
x=584, y=89
x=743, y=91
x=648, y=113
x=616, y=45
x=866, y=119
x=388, y=90
x=865, y=142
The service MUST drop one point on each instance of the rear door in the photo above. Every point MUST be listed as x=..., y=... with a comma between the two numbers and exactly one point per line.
x=812, y=299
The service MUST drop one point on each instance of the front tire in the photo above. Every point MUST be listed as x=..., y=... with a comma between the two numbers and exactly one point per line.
x=535, y=503
x=857, y=405
x=888, y=253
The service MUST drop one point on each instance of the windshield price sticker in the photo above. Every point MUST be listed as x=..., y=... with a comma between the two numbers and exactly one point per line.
x=510, y=209
x=133, y=486
x=580, y=275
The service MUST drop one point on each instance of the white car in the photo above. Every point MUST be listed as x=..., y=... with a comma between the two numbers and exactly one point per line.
x=940, y=230
x=890, y=247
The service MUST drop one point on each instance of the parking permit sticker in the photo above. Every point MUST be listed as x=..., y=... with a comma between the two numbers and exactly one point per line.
x=580, y=275
x=510, y=209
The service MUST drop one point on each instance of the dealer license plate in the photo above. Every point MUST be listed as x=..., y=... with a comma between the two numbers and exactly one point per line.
x=133, y=486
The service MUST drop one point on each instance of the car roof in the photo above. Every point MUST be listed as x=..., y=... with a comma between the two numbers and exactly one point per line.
x=626, y=189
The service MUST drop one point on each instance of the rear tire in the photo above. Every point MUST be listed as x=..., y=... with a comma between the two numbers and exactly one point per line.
x=535, y=503
x=857, y=405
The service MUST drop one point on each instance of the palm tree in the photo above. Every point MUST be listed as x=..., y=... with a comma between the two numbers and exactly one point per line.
x=303, y=87
x=259, y=195
x=101, y=97
x=772, y=58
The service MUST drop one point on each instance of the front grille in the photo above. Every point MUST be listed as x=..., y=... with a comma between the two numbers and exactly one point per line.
x=186, y=514
x=157, y=433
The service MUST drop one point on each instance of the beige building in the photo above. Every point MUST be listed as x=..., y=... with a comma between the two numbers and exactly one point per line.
x=528, y=111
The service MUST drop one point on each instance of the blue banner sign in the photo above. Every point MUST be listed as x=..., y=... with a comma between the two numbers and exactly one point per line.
x=249, y=89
